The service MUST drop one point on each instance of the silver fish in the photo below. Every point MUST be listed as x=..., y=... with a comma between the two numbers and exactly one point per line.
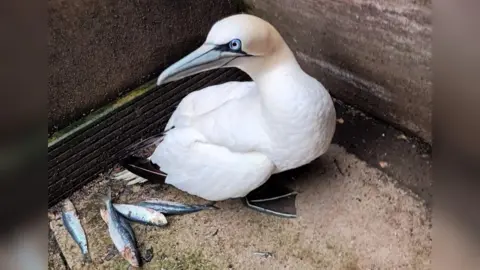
x=121, y=236
x=174, y=208
x=141, y=214
x=72, y=223
x=125, y=224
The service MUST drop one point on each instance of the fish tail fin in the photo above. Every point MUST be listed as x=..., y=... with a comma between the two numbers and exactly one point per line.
x=68, y=205
x=212, y=205
x=107, y=197
x=104, y=215
x=87, y=258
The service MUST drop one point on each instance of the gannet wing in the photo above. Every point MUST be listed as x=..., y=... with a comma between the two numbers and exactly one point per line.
x=195, y=104
x=210, y=171
x=208, y=99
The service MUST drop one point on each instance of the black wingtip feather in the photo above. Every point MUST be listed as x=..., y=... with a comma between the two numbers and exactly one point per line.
x=144, y=168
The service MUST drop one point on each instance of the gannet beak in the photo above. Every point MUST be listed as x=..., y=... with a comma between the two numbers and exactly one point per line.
x=205, y=58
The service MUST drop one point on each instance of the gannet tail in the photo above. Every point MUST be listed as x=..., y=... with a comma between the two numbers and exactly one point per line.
x=139, y=170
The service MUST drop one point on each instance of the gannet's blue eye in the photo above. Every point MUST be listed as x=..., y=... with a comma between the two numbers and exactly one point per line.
x=235, y=45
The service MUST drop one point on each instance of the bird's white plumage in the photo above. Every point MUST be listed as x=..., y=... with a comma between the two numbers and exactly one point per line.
x=200, y=167
x=208, y=99
x=207, y=170
x=223, y=147
x=228, y=139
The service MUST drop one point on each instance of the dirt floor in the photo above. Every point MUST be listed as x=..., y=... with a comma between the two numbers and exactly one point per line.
x=350, y=216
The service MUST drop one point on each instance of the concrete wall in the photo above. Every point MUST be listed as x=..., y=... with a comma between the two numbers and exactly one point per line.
x=97, y=49
x=374, y=54
x=370, y=53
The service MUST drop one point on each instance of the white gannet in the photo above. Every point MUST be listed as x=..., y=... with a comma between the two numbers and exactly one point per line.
x=225, y=141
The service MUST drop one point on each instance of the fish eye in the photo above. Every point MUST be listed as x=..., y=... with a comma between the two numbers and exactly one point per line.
x=235, y=45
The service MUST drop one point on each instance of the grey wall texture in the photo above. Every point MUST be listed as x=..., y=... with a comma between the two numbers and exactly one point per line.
x=374, y=54
x=370, y=53
x=100, y=49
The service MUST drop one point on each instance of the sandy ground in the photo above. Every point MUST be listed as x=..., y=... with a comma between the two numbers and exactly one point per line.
x=350, y=216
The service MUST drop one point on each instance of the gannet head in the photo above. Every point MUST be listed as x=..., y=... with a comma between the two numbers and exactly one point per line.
x=243, y=41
